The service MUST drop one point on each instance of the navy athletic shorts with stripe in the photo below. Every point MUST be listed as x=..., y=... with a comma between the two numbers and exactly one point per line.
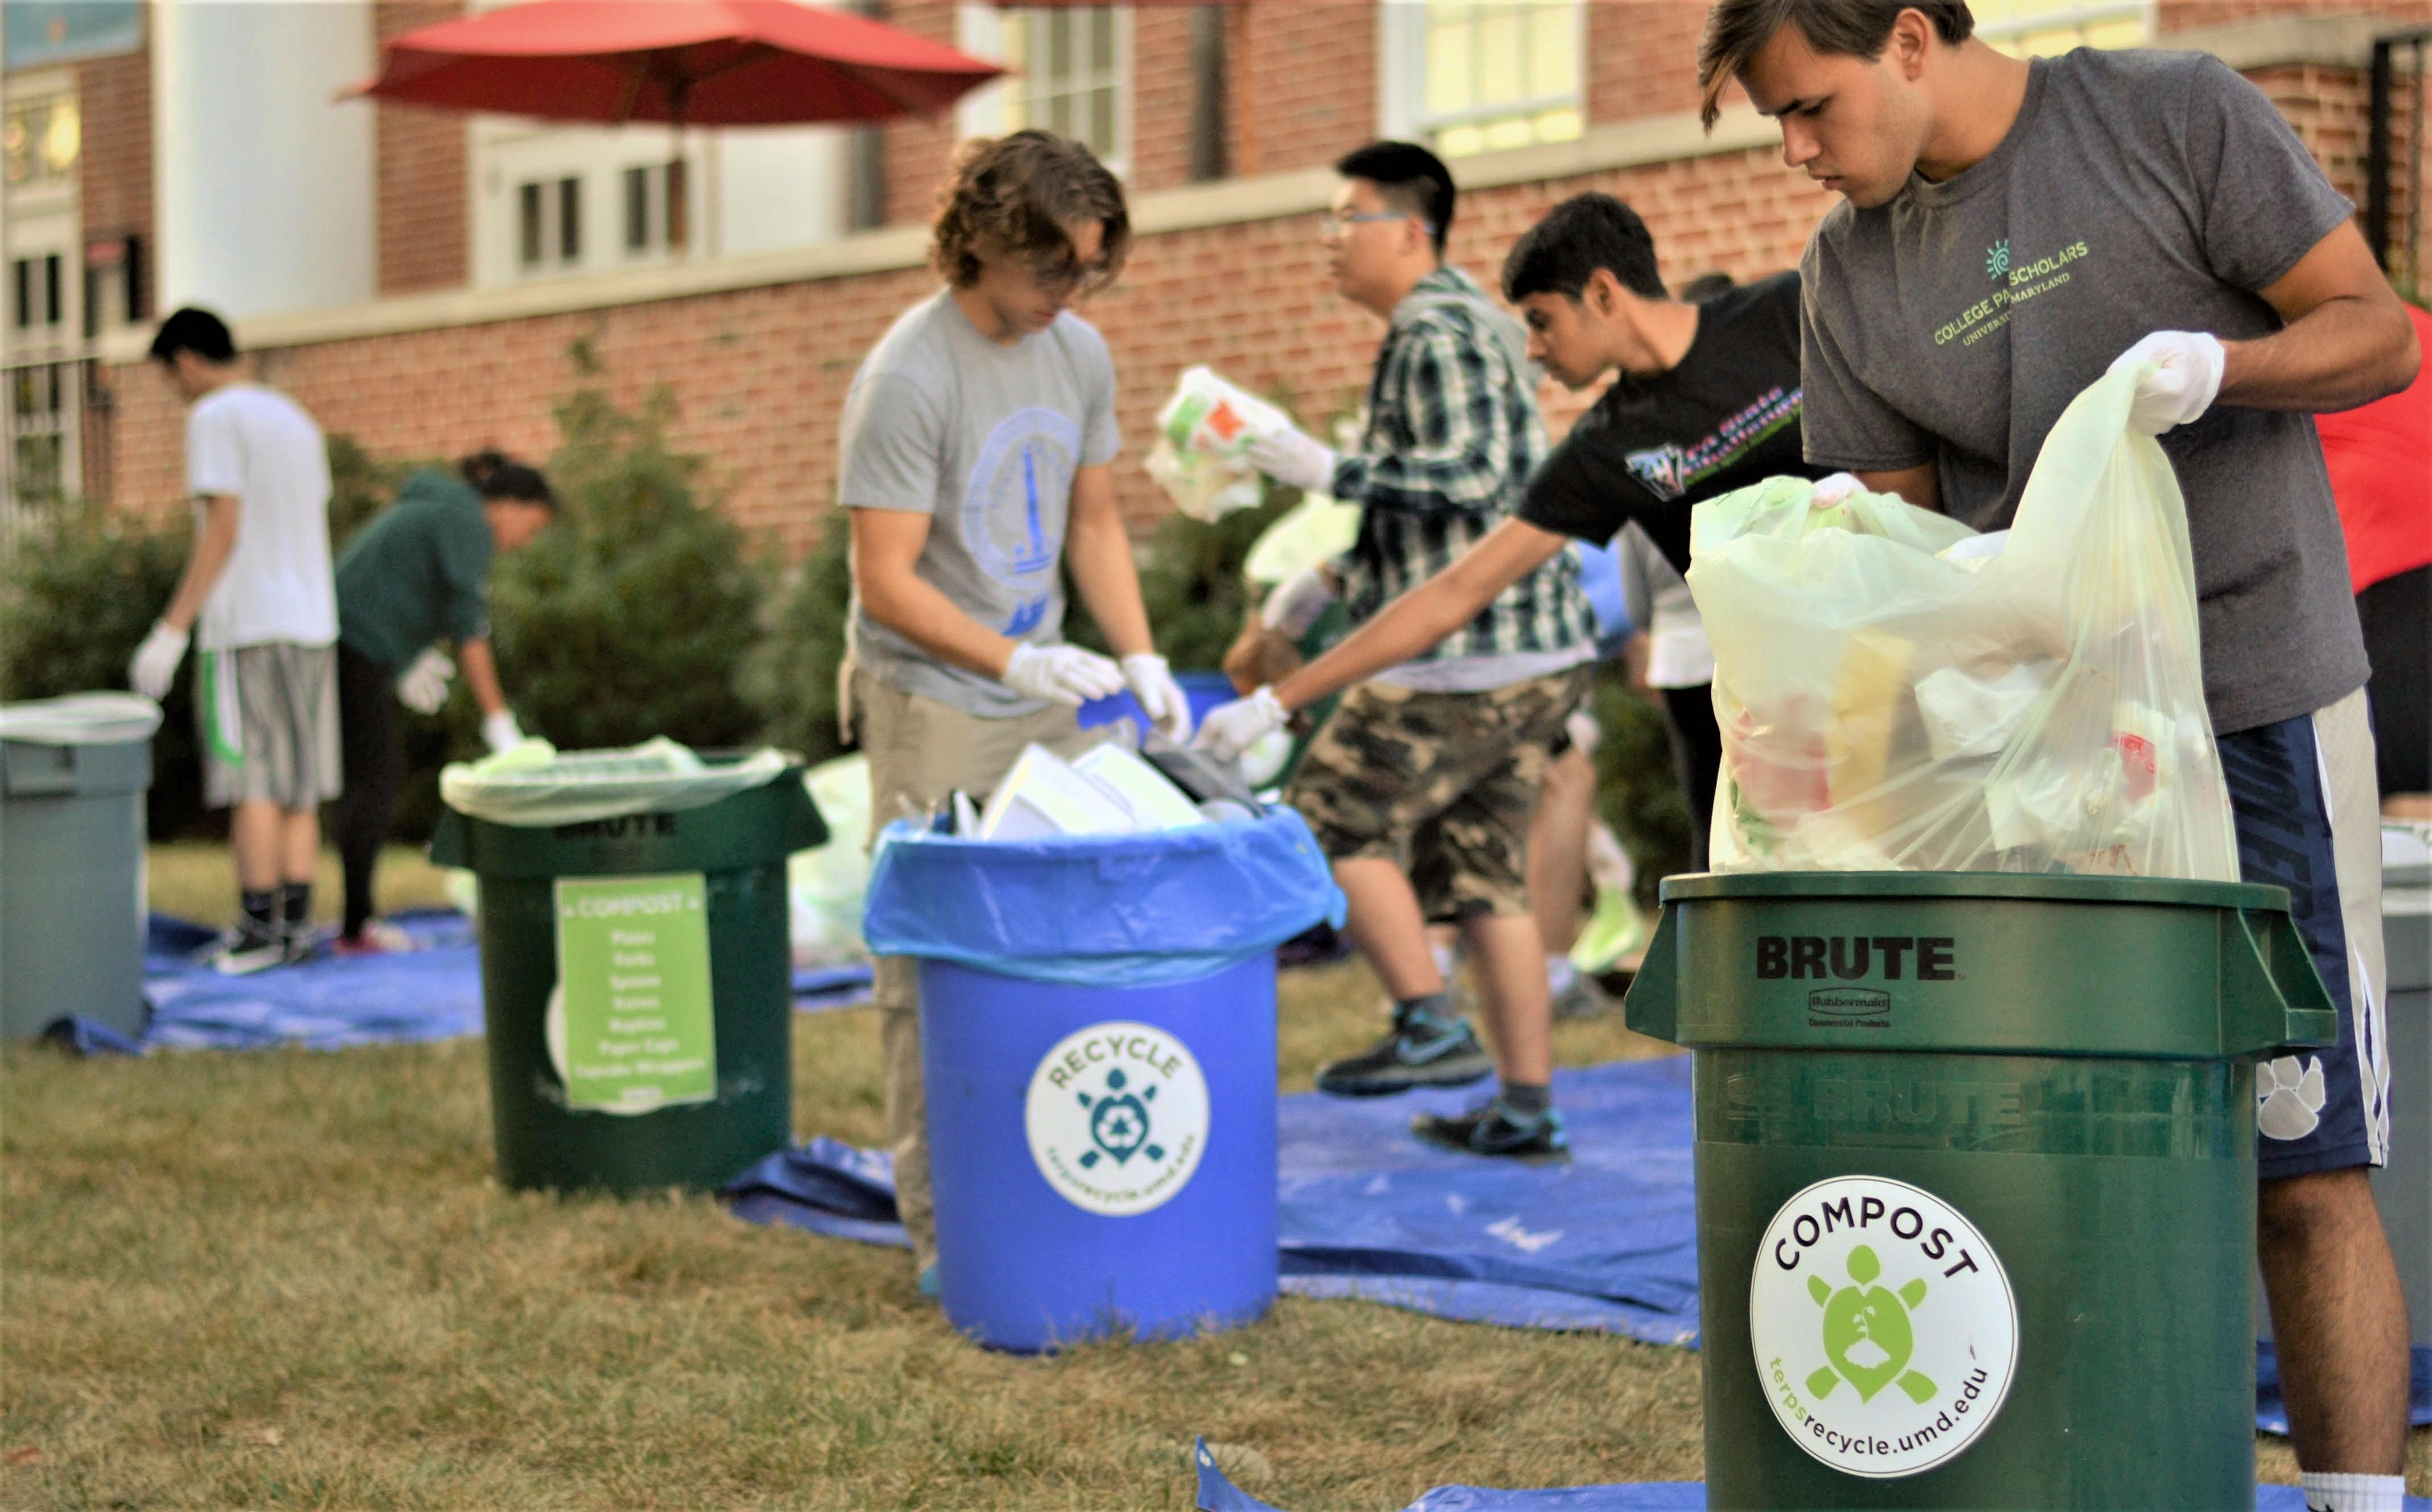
x=2309, y=819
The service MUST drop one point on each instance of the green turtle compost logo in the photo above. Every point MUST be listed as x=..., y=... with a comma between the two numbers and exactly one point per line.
x=1997, y=261
x=1117, y=1117
x=1886, y=1332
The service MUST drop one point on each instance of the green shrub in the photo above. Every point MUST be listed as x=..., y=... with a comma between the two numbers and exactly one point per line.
x=80, y=590
x=631, y=617
x=791, y=676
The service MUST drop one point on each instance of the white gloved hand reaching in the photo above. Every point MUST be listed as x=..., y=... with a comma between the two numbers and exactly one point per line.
x=1061, y=673
x=1289, y=457
x=500, y=732
x=2180, y=384
x=1833, y=490
x=423, y=688
x=1292, y=605
x=1160, y=697
x=1231, y=729
x=154, y=665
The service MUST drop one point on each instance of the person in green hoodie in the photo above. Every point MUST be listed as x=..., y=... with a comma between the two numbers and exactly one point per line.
x=417, y=574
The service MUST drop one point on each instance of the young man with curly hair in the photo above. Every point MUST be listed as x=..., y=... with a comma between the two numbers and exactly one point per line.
x=975, y=468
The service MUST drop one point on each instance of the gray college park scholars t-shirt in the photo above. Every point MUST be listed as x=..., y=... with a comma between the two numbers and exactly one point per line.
x=985, y=440
x=2138, y=191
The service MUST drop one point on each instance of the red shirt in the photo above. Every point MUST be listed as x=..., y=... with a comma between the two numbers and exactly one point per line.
x=2380, y=458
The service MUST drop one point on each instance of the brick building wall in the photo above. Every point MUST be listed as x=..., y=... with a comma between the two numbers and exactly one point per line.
x=760, y=374
x=422, y=157
x=114, y=171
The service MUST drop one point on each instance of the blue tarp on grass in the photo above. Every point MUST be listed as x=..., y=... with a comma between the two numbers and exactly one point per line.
x=333, y=1002
x=1605, y=1244
x=1217, y=1494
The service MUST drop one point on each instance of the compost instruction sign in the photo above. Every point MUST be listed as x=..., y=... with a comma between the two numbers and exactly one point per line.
x=1886, y=1332
x=633, y=965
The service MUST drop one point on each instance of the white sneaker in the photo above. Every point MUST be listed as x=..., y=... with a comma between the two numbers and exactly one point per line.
x=243, y=952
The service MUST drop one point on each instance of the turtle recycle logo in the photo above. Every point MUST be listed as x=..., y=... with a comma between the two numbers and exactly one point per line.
x=1885, y=1329
x=1117, y=1117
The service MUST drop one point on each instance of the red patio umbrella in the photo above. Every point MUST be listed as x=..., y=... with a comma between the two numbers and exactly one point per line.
x=682, y=62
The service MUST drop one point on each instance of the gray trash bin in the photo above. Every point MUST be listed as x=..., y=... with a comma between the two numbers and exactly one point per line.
x=73, y=775
x=2404, y=1187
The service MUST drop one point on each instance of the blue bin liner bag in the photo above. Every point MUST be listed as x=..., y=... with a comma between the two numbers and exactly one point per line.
x=1099, y=911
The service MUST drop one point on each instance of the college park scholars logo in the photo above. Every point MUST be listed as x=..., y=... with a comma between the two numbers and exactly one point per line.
x=1118, y=1117
x=1886, y=1333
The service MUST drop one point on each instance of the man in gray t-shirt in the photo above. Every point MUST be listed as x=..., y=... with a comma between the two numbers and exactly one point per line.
x=975, y=469
x=2013, y=230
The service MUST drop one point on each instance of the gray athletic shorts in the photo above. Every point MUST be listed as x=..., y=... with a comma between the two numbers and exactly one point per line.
x=267, y=719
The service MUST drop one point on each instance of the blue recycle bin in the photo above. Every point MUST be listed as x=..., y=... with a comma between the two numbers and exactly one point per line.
x=1098, y=1046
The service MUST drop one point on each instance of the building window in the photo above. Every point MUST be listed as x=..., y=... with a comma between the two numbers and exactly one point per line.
x=39, y=298
x=1071, y=74
x=42, y=416
x=1484, y=76
x=39, y=140
x=2040, y=28
x=549, y=225
x=654, y=208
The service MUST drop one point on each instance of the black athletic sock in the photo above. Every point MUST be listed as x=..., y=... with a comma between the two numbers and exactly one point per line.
x=295, y=906
x=1435, y=1007
x=1527, y=1099
x=260, y=912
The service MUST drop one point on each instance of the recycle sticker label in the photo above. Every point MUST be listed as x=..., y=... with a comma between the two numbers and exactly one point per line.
x=1885, y=1331
x=1117, y=1117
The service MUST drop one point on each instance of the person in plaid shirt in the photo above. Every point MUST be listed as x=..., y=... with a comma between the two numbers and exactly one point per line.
x=1422, y=786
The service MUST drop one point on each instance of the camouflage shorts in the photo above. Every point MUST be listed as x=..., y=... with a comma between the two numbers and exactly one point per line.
x=1443, y=784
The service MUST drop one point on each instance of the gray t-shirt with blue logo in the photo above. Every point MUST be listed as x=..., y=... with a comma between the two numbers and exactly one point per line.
x=985, y=440
x=2137, y=191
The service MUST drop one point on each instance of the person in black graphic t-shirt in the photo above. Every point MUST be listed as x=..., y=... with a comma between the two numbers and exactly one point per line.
x=1706, y=401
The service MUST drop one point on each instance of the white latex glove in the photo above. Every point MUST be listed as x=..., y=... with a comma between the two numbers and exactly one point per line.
x=1233, y=728
x=1833, y=490
x=424, y=685
x=1289, y=457
x=1160, y=697
x=2180, y=383
x=1062, y=674
x=500, y=732
x=154, y=665
x=1292, y=605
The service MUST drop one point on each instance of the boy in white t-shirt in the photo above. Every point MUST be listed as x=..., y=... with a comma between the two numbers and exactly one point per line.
x=258, y=600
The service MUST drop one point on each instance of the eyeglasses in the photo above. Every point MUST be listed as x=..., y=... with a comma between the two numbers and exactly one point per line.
x=1333, y=223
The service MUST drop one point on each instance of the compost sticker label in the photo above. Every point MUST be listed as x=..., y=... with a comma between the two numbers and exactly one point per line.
x=632, y=972
x=1886, y=1335
x=1118, y=1117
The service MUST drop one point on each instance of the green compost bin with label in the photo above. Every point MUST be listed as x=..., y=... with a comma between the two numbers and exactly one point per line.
x=1975, y=1164
x=637, y=966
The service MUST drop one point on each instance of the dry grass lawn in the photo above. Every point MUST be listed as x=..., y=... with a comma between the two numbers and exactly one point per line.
x=287, y=1279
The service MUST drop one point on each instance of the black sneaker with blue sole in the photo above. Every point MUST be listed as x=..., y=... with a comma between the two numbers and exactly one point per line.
x=1491, y=1129
x=1422, y=1050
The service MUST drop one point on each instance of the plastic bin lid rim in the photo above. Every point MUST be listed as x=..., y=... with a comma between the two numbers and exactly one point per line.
x=2041, y=886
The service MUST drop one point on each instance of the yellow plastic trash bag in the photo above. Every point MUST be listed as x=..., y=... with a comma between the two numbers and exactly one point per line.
x=1897, y=693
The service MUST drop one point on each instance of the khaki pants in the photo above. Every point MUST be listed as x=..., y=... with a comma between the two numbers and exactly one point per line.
x=920, y=750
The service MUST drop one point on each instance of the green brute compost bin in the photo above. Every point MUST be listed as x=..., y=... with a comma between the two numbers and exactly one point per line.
x=1975, y=1164
x=636, y=977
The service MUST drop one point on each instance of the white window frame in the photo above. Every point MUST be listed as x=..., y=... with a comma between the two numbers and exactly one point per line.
x=40, y=220
x=980, y=30
x=1402, y=77
x=508, y=155
x=2079, y=19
